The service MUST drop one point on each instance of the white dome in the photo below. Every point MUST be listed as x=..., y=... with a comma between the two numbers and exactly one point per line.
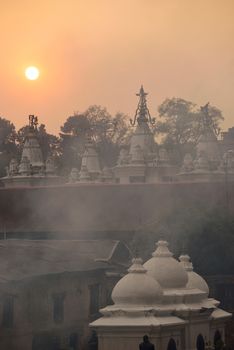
x=165, y=269
x=194, y=280
x=137, y=287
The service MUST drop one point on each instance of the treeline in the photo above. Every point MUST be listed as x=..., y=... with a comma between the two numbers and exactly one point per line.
x=178, y=127
x=207, y=235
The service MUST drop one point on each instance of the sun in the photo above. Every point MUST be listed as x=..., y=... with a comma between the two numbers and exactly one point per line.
x=32, y=73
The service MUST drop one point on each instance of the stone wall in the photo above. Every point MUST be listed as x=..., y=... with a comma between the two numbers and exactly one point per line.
x=96, y=210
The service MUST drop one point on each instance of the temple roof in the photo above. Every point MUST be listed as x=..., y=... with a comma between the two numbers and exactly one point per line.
x=20, y=259
x=140, y=302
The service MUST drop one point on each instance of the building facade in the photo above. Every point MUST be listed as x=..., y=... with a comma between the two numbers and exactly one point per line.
x=51, y=290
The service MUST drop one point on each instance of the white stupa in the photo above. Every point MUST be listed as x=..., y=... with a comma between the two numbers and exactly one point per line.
x=209, y=165
x=143, y=162
x=32, y=170
x=90, y=170
x=90, y=159
x=164, y=299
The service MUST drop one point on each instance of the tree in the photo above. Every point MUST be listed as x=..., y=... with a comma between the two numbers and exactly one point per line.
x=76, y=125
x=73, y=136
x=206, y=234
x=211, y=243
x=108, y=134
x=180, y=125
x=50, y=144
x=8, y=147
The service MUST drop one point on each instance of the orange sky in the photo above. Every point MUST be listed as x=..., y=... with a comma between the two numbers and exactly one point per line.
x=100, y=51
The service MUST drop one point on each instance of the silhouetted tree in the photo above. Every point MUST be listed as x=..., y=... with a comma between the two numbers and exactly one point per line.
x=8, y=147
x=205, y=233
x=108, y=133
x=180, y=125
x=211, y=244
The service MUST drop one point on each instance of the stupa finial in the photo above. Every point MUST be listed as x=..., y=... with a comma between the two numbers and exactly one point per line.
x=207, y=124
x=142, y=114
x=206, y=119
x=33, y=121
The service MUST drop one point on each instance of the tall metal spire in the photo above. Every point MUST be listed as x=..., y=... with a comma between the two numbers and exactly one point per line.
x=33, y=122
x=207, y=124
x=142, y=114
x=206, y=120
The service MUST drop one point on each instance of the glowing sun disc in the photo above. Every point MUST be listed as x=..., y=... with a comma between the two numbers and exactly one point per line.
x=32, y=73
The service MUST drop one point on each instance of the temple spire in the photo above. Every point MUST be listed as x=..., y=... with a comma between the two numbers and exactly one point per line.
x=33, y=122
x=205, y=118
x=31, y=148
x=142, y=114
x=207, y=124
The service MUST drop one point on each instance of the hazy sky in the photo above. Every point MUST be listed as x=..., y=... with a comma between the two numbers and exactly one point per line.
x=100, y=51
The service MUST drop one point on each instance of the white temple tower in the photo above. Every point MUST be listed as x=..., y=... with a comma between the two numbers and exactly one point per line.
x=143, y=163
x=162, y=300
x=31, y=149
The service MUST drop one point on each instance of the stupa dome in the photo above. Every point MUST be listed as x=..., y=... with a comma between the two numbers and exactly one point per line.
x=194, y=280
x=137, y=287
x=165, y=269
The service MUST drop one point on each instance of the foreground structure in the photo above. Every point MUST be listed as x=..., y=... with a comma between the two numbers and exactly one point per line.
x=165, y=299
x=51, y=289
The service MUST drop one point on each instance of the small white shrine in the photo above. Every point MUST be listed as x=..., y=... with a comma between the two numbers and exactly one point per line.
x=90, y=170
x=165, y=299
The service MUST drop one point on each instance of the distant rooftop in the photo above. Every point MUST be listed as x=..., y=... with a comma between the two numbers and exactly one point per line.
x=21, y=259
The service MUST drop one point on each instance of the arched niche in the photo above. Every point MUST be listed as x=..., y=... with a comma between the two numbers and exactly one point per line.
x=171, y=345
x=218, y=341
x=200, y=342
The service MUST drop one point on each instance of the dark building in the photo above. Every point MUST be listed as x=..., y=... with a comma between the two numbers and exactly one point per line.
x=51, y=290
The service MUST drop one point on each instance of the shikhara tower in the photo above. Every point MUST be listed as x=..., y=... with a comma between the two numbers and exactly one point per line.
x=209, y=164
x=144, y=161
x=143, y=136
x=31, y=148
x=32, y=170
